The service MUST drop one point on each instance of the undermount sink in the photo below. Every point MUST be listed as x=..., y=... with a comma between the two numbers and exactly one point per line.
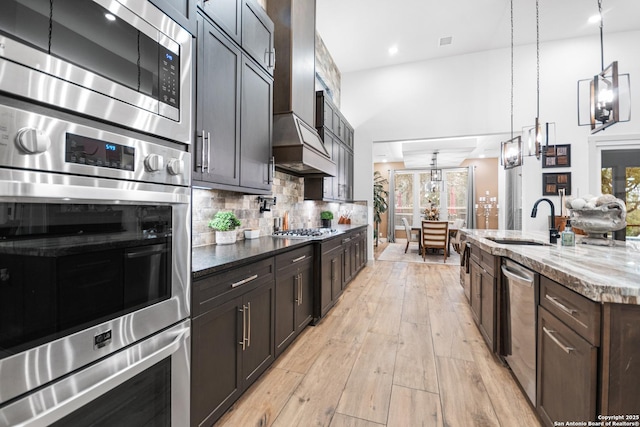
x=507, y=241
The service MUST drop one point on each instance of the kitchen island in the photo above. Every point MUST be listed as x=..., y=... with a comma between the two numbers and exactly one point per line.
x=585, y=307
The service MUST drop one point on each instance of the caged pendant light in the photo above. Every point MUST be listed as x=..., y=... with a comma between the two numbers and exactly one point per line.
x=511, y=150
x=606, y=90
x=535, y=133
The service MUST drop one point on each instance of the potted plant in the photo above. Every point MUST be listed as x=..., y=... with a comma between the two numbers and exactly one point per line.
x=326, y=217
x=225, y=223
x=379, y=201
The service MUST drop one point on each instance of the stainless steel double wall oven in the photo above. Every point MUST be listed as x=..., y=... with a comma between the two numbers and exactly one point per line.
x=95, y=214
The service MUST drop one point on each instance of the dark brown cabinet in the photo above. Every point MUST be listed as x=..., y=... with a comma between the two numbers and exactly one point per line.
x=247, y=24
x=568, y=340
x=337, y=135
x=256, y=121
x=234, y=106
x=294, y=295
x=233, y=337
x=257, y=35
x=483, y=293
x=567, y=372
x=216, y=155
x=331, y=271
x=181, y=11
x=227, y=14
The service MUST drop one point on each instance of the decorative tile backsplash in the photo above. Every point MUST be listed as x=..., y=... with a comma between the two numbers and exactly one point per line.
x=289, y=193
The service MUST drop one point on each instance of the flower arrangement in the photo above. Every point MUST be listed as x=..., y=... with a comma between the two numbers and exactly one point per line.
x=431, y=212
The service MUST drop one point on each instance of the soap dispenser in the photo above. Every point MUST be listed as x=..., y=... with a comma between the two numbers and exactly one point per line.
x=568, y=237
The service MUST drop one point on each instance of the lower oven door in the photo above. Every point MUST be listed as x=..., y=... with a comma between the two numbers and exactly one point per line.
x=88, y=267
x=146, y=384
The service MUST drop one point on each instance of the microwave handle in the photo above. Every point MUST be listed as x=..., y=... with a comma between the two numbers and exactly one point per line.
x=64, y=397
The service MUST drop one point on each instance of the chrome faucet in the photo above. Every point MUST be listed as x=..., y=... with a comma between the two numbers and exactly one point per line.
x=553, y=231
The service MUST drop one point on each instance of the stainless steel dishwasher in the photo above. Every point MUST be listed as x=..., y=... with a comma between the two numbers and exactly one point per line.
x=521, y=300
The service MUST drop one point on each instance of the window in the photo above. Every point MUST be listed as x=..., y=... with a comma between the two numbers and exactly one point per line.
x=417, y=197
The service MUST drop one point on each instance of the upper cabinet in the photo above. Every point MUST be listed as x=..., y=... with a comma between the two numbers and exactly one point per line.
x=234, y=101
x=257, y=35
x=227, y=14
x=337, y=135
x=181, y=11
x=247, y=24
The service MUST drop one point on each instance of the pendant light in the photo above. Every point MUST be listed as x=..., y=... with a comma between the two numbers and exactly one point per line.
x=511, y=150
x=604, y=91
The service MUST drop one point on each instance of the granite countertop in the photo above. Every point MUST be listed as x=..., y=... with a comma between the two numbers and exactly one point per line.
x=213, y=258
x=600, y=273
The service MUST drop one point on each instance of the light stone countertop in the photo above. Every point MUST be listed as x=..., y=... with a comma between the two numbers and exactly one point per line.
x=600, y=273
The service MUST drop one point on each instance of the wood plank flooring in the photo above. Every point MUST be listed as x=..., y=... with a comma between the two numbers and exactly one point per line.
x=399, y=349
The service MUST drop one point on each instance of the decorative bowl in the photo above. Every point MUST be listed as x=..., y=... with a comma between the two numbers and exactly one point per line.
x=600, y=220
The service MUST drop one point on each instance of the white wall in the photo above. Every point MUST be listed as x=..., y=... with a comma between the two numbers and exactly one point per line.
x=470, y=95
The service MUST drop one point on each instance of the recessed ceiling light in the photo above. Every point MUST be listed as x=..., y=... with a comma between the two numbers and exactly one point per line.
x=482, y=156
x=109, y=17
x=594, y=19
x=393, y=50
x=444, y=41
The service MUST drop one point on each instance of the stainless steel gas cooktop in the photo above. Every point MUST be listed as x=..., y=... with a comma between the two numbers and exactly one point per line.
x=307, y=233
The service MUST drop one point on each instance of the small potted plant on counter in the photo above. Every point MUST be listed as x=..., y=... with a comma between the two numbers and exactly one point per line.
x=326, y=217
x=225, y=223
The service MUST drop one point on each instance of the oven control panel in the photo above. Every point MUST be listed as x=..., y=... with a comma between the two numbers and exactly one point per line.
x=94, y=152
x=38, y=142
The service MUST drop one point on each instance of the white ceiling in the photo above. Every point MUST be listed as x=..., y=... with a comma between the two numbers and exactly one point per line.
x=359, y=33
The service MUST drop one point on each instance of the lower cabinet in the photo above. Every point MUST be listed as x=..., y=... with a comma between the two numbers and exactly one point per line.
x=340, y=260
x=294, y=295
x=330, y=269
x=568, y=339
x=232, y=340
x=483, y=302
x=567, y=372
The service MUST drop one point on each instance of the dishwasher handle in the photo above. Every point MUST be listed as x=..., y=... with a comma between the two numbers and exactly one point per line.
x=521, y=276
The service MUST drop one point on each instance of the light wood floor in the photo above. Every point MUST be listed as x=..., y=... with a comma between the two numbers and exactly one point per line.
x=399, y=349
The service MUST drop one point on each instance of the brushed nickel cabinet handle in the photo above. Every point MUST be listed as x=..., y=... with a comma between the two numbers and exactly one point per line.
x=300, y=295
x=298, y=259
x=551, y=335
x=208, y=150
x=249, y=325
x=243, y=281
x=554, y=301
x=244, y=332
x=204, y=140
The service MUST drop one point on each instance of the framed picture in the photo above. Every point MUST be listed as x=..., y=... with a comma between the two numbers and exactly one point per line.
x=556, y=156
x=553, y=182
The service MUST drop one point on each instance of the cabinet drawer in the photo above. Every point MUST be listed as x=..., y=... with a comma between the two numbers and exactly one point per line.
x=331, y=245
x=217, y=289
x=297, y=256
x=484, y=259
x=579, y=313
x=567, y=372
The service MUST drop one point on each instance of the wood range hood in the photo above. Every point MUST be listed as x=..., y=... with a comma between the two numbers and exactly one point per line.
x=297, y=147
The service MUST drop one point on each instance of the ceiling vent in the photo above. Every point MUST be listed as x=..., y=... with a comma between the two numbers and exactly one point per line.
x=444, y=41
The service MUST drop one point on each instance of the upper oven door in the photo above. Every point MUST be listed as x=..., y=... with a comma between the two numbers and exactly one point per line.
x=88, y=266
x=122, y=61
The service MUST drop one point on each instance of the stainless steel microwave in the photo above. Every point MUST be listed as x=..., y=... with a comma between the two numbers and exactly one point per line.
x=119, y=61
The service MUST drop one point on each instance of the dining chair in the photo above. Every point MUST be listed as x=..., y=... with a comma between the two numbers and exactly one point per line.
x=454, y=234
x=435, y=235
x=412, y=235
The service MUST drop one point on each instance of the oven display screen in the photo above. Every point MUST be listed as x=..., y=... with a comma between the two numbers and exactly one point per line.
x=94, y=152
